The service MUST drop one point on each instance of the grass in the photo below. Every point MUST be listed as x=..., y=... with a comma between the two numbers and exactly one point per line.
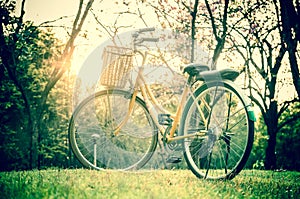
x=83, y=183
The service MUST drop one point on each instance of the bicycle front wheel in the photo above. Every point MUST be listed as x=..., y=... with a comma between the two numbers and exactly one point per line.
x=93, y=137
x=218, y=113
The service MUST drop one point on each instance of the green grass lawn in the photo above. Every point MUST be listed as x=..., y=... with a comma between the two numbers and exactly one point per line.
x=83, y=183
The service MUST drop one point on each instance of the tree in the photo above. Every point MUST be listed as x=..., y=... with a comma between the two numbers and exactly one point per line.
x=17, y=37
x=257, y=40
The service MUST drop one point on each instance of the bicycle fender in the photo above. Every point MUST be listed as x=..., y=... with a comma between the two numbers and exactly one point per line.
x=245, y=98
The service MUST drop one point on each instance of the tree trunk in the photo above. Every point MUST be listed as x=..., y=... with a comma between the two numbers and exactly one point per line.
x=193, y=30
x=272, y=126
x=221, y=36
x=34, y=154
x=292, y=49
x=270, y=161
x=291, y=36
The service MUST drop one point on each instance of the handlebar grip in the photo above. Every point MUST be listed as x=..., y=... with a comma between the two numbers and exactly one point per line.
x=146, y=30
x=150, y=39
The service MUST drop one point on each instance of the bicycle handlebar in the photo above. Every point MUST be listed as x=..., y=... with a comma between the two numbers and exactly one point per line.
x=138, y=41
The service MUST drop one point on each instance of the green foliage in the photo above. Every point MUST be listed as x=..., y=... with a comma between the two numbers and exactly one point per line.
x=288, y=139
x=13, y=125
x=24, y=75
x=54, y=146
x=257, y=156
x=147, y=184
x=35, y=49
x=287, y=143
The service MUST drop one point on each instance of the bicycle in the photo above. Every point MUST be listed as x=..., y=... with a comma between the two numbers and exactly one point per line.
x=115, y=128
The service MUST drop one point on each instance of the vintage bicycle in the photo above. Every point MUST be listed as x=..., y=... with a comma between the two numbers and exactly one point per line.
x=118, y=128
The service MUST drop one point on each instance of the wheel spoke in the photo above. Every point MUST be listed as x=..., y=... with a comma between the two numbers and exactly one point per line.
x=221, y=154
x=92, y=130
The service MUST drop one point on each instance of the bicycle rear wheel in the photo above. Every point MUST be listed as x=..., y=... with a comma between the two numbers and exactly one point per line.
x=218, y=109
x=92, y=127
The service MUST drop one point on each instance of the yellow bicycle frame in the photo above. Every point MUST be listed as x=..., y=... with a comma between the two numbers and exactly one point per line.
x=149, y=98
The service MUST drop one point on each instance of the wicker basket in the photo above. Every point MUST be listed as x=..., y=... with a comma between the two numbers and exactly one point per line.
x=117, y=62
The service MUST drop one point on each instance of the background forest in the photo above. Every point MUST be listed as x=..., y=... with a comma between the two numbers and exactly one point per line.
x=37, y=75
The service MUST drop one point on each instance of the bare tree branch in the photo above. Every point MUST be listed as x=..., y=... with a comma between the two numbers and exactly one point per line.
x=68, y=50
x=43, y=24
x=101, y=24
x=212, y=18
x=285, y=105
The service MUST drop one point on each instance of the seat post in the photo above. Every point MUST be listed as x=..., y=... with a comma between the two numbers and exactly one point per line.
x=190, y=79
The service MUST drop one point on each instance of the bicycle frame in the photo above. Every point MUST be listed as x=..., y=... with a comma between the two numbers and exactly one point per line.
x=149, y=98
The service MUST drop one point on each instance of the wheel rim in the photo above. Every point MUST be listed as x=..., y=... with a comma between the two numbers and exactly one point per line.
x=222, y=152
x=92, y=136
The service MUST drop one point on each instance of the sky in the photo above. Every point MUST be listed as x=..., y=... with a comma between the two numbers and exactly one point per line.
x=43, y=10
x=40, y=11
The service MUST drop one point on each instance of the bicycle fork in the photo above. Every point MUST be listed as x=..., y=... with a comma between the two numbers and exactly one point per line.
x=127, y=116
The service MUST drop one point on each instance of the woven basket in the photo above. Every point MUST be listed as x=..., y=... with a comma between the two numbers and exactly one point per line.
x=117, y=62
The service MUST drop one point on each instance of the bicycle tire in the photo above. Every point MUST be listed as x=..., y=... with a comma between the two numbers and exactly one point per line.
x=223, y=151
x=91, y=132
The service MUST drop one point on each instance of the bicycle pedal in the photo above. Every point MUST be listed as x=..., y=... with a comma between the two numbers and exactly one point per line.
x=164, y=119
x=174, y=159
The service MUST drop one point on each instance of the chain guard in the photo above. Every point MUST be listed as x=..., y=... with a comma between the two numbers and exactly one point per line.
x=172, y=146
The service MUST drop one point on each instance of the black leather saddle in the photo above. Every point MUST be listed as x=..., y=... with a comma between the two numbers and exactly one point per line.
x=203, y=73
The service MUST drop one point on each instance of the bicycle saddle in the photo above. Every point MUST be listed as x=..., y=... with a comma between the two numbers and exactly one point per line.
x=227, y=73
x=194, y=69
